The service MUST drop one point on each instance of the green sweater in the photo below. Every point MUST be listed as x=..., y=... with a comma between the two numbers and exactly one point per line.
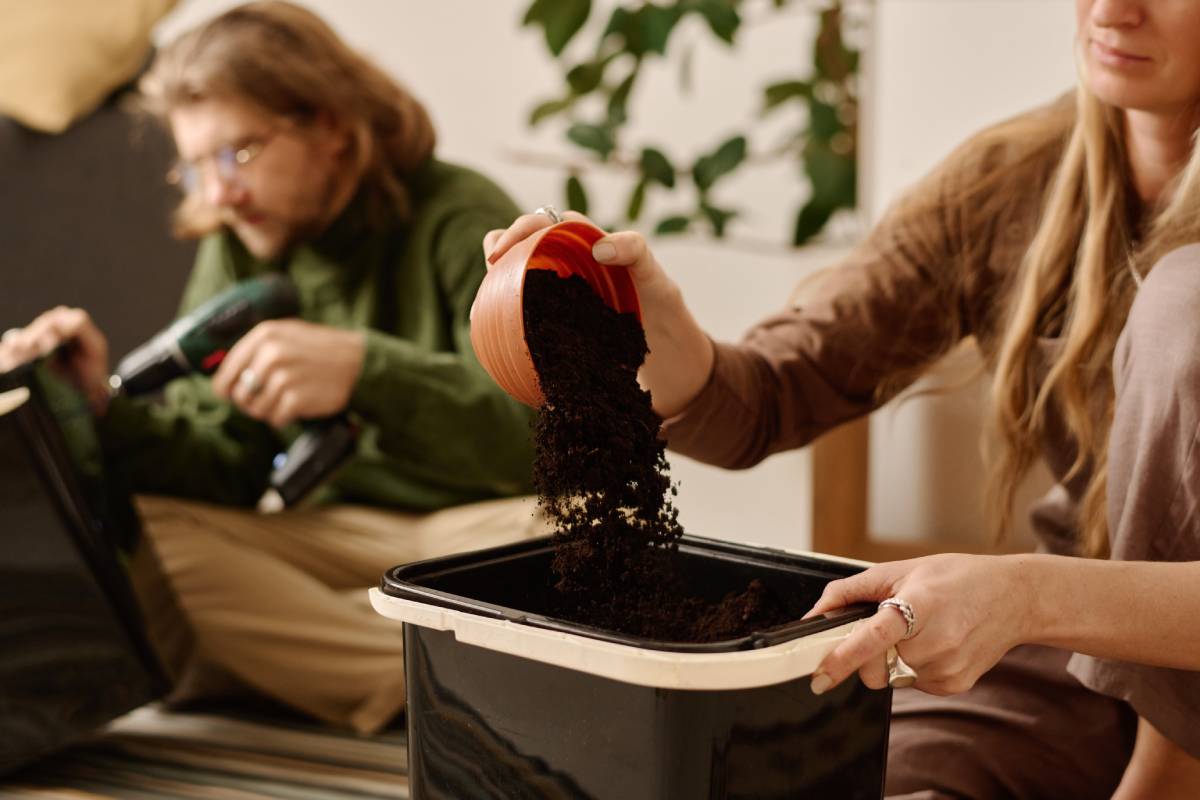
x=435, y=430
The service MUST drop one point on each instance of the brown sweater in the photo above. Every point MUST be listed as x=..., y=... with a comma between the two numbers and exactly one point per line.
x=941, y=267
x=937, y=269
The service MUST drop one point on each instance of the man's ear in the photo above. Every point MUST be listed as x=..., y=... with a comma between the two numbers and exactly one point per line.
x=333, y=135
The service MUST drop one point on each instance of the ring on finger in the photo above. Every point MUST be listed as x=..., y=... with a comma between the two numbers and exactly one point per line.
x=906, y=610
x=551, y=212
x=900, y=674
x=249, y=381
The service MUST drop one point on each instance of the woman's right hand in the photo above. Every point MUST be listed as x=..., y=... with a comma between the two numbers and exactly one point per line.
x=84, y=357
x=681, y=354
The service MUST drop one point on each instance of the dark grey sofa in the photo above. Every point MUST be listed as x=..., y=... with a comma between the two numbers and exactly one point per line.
x=84, y=221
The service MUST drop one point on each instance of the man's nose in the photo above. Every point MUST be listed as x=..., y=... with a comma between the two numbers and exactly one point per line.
x=221, y=191
x=1118, y=13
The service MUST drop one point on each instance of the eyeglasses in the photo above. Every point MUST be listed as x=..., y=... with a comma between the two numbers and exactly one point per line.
x=228, y=161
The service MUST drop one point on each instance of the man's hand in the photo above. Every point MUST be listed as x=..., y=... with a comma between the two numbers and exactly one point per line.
x=287, y=370
x=84, y=350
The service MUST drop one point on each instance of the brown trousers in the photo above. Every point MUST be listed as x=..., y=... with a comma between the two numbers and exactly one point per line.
x=1030, y=728
x=277, y=604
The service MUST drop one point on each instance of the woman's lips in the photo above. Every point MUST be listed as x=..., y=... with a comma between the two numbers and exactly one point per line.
x=1115, y=57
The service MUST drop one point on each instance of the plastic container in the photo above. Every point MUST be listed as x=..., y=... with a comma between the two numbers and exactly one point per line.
x=497, y=316
x=73, y=648
x=505, y=701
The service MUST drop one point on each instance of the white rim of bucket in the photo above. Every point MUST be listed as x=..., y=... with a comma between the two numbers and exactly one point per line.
x=13, y=399
x=741, y=669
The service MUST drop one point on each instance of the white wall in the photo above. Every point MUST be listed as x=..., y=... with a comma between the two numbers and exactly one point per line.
x=940, y=69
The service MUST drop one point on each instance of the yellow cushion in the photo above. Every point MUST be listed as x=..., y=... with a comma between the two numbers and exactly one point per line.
x=60, y=58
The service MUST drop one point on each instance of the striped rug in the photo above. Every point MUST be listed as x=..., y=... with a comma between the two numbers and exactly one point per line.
x=153, y=753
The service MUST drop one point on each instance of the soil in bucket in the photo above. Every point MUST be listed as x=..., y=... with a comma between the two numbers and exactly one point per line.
x=602, y=478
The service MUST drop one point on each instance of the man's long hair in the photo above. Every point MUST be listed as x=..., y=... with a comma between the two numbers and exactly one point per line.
x=1079, y=269
x=287, y=62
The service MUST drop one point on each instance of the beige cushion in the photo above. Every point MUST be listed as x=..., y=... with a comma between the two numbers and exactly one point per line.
x=60, y=58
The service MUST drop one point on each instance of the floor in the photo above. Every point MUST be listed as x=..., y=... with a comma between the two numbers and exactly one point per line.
x=232, y=754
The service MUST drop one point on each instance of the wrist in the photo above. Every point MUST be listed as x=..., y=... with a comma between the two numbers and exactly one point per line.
x=1028, y=588
x=681, y=357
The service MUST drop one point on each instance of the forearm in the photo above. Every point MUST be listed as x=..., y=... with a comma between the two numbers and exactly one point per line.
x=680, y=360
x=1137, y=611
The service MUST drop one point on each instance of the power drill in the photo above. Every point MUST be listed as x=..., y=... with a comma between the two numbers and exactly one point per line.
x=199, y=342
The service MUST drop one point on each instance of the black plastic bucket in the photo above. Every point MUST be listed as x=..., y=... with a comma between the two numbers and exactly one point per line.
x=506, y=702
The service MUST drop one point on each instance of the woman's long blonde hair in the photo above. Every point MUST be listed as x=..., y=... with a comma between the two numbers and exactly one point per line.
x=287, y=62
x=1080, y=271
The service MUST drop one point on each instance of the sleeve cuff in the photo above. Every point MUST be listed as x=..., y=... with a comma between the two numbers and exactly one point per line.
x=714, y=427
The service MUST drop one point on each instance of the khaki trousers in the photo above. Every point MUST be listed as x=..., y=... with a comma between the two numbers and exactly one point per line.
x=278, y=603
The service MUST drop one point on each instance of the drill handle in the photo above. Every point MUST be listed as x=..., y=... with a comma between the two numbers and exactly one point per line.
x=324, y=445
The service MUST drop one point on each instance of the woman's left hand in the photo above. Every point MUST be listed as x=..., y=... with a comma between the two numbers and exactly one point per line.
x=287, y=370
x=969, y=611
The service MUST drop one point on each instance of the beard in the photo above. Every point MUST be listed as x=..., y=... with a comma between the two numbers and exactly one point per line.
x=270, y=236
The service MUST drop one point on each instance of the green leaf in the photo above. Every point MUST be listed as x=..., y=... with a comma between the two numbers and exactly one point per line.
x=634, y=209
x=832, y=175
x=833, y=187
x=778, y=93
x=618, y=100
x=576, y=195
x=673, y=225
x=722, y=17
x=585, y=77
x=592, y=137
x=823, y=122
x=645, y=30
x=560, y=20
x=708, y=169
x=547, y=109
x=657, y=167
x=852, y=60
x=810, y=221
x=717, y=217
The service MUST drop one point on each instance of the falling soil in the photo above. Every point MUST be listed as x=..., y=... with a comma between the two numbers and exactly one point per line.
x=601, y=477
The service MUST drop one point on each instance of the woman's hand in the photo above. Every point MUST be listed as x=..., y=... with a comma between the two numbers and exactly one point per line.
x=681, y=354
x=83, y=357
x=287, y=370
x=969, y=611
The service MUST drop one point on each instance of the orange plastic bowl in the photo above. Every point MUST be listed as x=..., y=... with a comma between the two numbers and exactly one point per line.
x=498, y=318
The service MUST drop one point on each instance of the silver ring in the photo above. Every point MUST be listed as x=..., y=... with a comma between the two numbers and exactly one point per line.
x=249, y=381
x=900, y=674
x=551, y=212
x=910, y=616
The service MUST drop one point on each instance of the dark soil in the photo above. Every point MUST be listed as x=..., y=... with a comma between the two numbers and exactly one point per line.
x=601, y=477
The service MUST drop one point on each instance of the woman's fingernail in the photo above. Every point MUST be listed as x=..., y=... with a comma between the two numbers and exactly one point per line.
x=492, y=257
x=604, y=252
x=820, y=683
